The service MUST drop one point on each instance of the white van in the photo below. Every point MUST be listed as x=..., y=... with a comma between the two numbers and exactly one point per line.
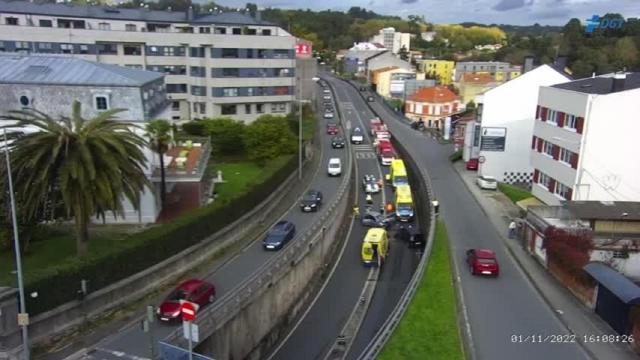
x=335, y=167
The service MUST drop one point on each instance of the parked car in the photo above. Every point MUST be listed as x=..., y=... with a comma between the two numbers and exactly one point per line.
x=328, y=115
x=482, y=262
x=194, y=290
x=370, y=99
x=370, y=184
x=332, y=129
x=337, y=142
x=280, y=234
x=472, y=164
x=311, y=201
x=487, y=182
x=372, y=218
x=334, y=168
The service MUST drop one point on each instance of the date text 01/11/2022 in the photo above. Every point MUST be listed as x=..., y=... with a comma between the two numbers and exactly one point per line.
x=571, y=338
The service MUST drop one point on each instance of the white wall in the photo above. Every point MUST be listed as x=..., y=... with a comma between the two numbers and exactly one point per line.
x=512, y=105
x=629, y=267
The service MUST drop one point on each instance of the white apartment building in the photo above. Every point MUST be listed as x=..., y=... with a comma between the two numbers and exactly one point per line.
x=584, y=142
x=392, y=40
x=216, y=64
x=507, y=113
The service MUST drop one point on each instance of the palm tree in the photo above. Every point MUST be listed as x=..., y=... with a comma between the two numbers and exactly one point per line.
x=91, y=163
x=159, y=134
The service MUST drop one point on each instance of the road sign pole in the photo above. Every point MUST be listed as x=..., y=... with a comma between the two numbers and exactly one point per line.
x=190, y=342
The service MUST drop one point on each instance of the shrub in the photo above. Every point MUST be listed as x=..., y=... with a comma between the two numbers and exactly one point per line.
x=195, y=128
x=226, y=135
x=60, y=284
x=269, y=137
x=456, y=156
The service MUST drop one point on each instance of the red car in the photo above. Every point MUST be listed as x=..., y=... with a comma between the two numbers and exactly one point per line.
x=332, y=129
x=194, y=290
x=482, y=262
x=472, y=164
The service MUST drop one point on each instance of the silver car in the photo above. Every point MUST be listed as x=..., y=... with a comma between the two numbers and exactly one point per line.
x=487, y=182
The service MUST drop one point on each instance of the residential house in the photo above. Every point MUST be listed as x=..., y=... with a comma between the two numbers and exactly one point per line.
x=471, y=85
x=392, y=39
x=390, y=82
x=441, y=70
x=583, y=140
x=355, y=59
x=383, y=60
x=500, y=71
x=508, y=120
x=433, y=105
x=50, y=84
x=217, y=64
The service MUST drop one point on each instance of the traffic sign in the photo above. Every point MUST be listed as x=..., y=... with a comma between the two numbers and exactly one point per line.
x=188, y=310
x=191, y=331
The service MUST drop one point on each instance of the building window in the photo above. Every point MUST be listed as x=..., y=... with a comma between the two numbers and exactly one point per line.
x=547, y=148
x=565, y=156
x=176, y=88
x=230, y=72
x=168, y=51
x=220, y=30
x=228, y=109
x=24, y=100
x=262, y=53
x=260, y=108
x=278, y=107
x=282, y=54
x=45, y=47
x=204, y=30
x=570, y=121
x=196, y=52
x=281, y=90
x=247, y=108
x=109, y=49
x=22, y=45
x=46, y=23
x=561, y=190
x=175, y=105
x=200, y=108
x=229, y=53
x=132, y=50
x=66, y=48
x=251, y=31
x=197, y=71
x=83, y=49
x=2, y=48
x=250, y=53
x=266, y=32
x=544, y=180
x=130, y=27
x=198, y=90
x=226, y=92
x=236, y=31
x=283, y=72
x=11, y=21
x=104, y=26
x=250, y=91
x=134, y=66
x=552, y=116
x=101, y=102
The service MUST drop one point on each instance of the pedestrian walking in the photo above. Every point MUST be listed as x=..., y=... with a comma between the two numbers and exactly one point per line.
x=356, y=211
x=436, y=206
x=512, y=229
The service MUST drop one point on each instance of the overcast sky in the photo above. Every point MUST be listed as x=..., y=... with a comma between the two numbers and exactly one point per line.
x=517, y=12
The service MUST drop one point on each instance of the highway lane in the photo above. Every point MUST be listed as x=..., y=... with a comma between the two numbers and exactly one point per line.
x=497, y=308
x=132, y=342
x=319, y=328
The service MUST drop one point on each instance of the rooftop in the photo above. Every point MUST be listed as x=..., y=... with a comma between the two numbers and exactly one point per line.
x=63, y=70
x=603, y=84
x=434, y=94
x=107, y=12
x=602, y=210
x=477, y=78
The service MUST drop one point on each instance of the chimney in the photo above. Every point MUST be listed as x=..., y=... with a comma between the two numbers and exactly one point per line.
x=528, y=64
x=618, y=82
x=561, y=62
x=190, y=13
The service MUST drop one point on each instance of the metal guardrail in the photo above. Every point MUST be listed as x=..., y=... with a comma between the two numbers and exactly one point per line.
x=231, y=303
x=386, y=330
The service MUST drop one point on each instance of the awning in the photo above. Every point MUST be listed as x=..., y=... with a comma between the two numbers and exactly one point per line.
x=617, y=283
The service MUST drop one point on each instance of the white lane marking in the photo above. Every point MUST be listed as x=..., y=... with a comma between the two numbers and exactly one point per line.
x=122, y=354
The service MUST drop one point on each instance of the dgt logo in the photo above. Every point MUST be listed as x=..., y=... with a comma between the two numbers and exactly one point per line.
x=596, y=22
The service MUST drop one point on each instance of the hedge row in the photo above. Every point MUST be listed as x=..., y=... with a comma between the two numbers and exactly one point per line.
x=60, y=284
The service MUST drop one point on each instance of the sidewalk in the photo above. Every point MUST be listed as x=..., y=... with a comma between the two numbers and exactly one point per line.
x=575, y=316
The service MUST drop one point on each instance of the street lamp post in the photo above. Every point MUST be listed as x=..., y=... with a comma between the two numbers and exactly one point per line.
x=22, y=317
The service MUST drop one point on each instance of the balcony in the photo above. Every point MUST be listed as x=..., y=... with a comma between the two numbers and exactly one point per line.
x=184, y=162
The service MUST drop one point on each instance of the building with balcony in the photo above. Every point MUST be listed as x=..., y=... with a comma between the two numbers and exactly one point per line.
x=392, y=39
x=500, y=71
x=433, y=105
x=51, y=83
x=584, y=140
x=216, y=64
x=441, y=70
x=509, y=120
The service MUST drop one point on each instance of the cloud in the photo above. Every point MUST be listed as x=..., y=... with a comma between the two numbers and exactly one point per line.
x=408, y=1
x=506, y=5
x=555, y=13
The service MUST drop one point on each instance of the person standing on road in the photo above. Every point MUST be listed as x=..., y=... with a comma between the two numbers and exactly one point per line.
x=512, y=229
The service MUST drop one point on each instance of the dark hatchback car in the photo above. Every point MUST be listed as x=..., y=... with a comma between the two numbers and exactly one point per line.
x=375, y=219
x=280, y=234
x=311, y=201
x=194, y=290
x=337, y=142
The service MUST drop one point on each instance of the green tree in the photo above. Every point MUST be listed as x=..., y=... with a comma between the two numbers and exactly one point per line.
x=226, y=135
x=403, y=53
x=625, y=53
x=159, y=134
x=269, y=137
x=92, y=163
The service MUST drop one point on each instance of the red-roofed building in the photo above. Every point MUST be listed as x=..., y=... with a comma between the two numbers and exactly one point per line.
x=433, y=105
x=472, y=84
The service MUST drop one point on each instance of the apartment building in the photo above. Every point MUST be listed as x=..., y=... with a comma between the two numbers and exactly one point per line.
x=392, y=39
x=584, y=140
x=500, y=71
x=216, y=64
x=471, y=85
x=441, y=70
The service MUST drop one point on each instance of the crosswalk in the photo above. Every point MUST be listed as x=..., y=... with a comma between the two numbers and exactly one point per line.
x=364, y=151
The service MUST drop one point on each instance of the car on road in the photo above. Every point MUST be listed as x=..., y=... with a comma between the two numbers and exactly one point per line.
x=326, y=91
x=472, y=164
x=280, y=234
x=327, y=97
x=337, y=142
x=328, y=115
x=357, y=136
x=328, y=108
x=334, y=168
x=370, y=99
x=363, y=88
x=487, y=182
x=417, y=240
x=482, y=262
x=332, y=129
x=196, y=291
x=311, y=201
x=372, y=218
x=370, y=184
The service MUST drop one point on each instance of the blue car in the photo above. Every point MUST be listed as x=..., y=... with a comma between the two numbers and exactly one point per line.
x=281, y=233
